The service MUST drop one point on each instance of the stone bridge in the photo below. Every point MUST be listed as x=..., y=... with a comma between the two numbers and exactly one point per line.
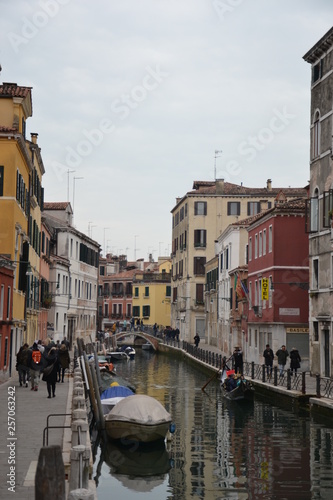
x=149, y=338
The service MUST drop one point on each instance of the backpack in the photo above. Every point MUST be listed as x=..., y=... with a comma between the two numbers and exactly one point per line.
x=36, y=356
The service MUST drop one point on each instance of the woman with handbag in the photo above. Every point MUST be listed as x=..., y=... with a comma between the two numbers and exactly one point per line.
x=50, y=373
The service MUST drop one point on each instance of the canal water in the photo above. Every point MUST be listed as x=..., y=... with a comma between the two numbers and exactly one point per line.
x=220, y=449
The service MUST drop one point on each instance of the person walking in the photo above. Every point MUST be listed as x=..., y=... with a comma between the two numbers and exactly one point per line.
x=196, y=340
x=51, y=371
x=238, y=360
x=295, y=360
x=269, y=356
x=64, y=362
x=22, y=365
x=282, y=355
x=35, y=364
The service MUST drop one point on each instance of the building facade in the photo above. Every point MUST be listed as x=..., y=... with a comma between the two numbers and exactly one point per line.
x=198, y=218
x=320, y=207
x=7, y=349
x=278, y=281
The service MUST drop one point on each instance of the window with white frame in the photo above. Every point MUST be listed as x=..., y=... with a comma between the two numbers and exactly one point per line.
x=250, y=248
x=256, y=293
x=270, y=239
x=250, y=294
x=316, y=136
x=8, y=302
x=2, y=299
x=315, y=274
x=256, y=246
x=260, y=243
x=264, y=242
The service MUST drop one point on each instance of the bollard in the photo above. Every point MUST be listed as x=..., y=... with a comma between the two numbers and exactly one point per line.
x=288, y=379
x=79, y=475
x=81, y=494
x=80, y=413
x=79, y=432
x=50, y=474
x=318, y=385
x=78, y=402
x=263, y=373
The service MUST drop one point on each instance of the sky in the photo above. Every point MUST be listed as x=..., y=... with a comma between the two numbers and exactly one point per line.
x=134, y=100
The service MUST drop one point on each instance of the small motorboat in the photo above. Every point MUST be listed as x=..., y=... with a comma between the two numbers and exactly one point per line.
x=236, y=388
x=112, y=395
x=138, y=418
x=130, y=351
x=147, y=346
x=118, y=355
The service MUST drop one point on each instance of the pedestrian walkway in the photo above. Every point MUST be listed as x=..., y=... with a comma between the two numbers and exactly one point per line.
x=23, y=415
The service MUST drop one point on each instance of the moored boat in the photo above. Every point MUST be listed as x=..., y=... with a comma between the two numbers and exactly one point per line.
x=113, y=395
x=138, y=418
x=147, y=346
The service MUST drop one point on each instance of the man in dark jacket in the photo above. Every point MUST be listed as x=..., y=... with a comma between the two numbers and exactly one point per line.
x=22, y=365
x=238, y=360
x=282, y=355
x=269, y=356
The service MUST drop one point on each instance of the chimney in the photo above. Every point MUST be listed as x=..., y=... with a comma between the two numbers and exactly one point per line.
x=269, y=184
x=219, y=186
x=34, y=137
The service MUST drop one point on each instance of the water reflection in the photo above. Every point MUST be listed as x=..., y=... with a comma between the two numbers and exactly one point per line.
x=221, y=449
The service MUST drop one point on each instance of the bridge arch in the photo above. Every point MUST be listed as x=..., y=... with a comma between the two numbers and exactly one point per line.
x=149, y=338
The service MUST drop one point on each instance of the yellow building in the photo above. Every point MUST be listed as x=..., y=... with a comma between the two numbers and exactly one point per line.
x=20, y=205
x=151, y=298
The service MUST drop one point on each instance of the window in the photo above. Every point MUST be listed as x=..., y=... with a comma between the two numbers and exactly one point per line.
x=200, y=238
x=2, y=298
x=233, y=208
x=71, y=253
x=316, y=136
x=199, y=293
x=246, y=254
x=221, y=261
x=136, y=311
x=250, y=294
x=227, y=258
x=168, y=291
x=1, y=180
x=264, y=242
x=315, y=331
x=312, y=214
x=250, y=248
x=260, y=243
x=199, y=266
x=200, y=208
x=256, y=246
x=146, y=311
x=270, y=300
x=8, y=302
x=327, y=208
x=174, y=294
x=129, y=310
x=256, y=293
x=270, y=239
x=136, y=291
x=317, y=71
x=102, y=271
x=250, y=337
x=315, y=271
x=6, y=352
x=146, y=291
x=253, y=207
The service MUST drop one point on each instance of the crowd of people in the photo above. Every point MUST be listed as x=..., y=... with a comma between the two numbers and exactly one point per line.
x=44, y=360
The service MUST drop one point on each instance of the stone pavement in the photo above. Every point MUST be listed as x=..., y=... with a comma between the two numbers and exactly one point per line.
x=28, y=410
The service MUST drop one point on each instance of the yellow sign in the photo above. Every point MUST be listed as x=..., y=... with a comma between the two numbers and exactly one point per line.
x=264, y=289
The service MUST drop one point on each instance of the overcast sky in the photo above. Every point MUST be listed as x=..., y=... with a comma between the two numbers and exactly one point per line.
x=135, y=97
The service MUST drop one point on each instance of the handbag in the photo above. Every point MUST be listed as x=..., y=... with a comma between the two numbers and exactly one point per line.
x=48, y=370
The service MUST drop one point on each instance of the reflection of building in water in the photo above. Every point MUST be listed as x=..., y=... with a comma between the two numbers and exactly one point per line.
x=321, y=461
x=278, y=454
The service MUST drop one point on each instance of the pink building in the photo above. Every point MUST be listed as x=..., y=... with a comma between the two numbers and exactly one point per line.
x=7, y=349
x=278, y=281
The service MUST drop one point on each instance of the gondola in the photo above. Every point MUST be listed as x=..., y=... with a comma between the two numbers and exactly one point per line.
x=242, y=392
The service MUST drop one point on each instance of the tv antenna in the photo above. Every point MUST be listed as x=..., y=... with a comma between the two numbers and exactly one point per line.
x=216, y=155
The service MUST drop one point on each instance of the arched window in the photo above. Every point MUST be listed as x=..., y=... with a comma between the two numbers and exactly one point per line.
x=316, y=136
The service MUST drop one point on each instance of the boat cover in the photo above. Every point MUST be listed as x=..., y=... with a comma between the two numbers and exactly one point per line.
x=117, y=391
x=140, y=408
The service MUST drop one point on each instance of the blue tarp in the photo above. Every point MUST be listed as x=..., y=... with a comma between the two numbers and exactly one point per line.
x=117, y=391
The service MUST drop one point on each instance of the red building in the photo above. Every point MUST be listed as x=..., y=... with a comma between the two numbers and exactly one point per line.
x=7, y=358
x=278, y=281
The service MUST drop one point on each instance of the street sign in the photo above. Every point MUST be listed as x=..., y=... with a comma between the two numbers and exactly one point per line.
x=264, y=289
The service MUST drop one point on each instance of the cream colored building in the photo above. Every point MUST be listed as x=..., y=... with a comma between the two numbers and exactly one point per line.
x=198, y=219
x=151, y=297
